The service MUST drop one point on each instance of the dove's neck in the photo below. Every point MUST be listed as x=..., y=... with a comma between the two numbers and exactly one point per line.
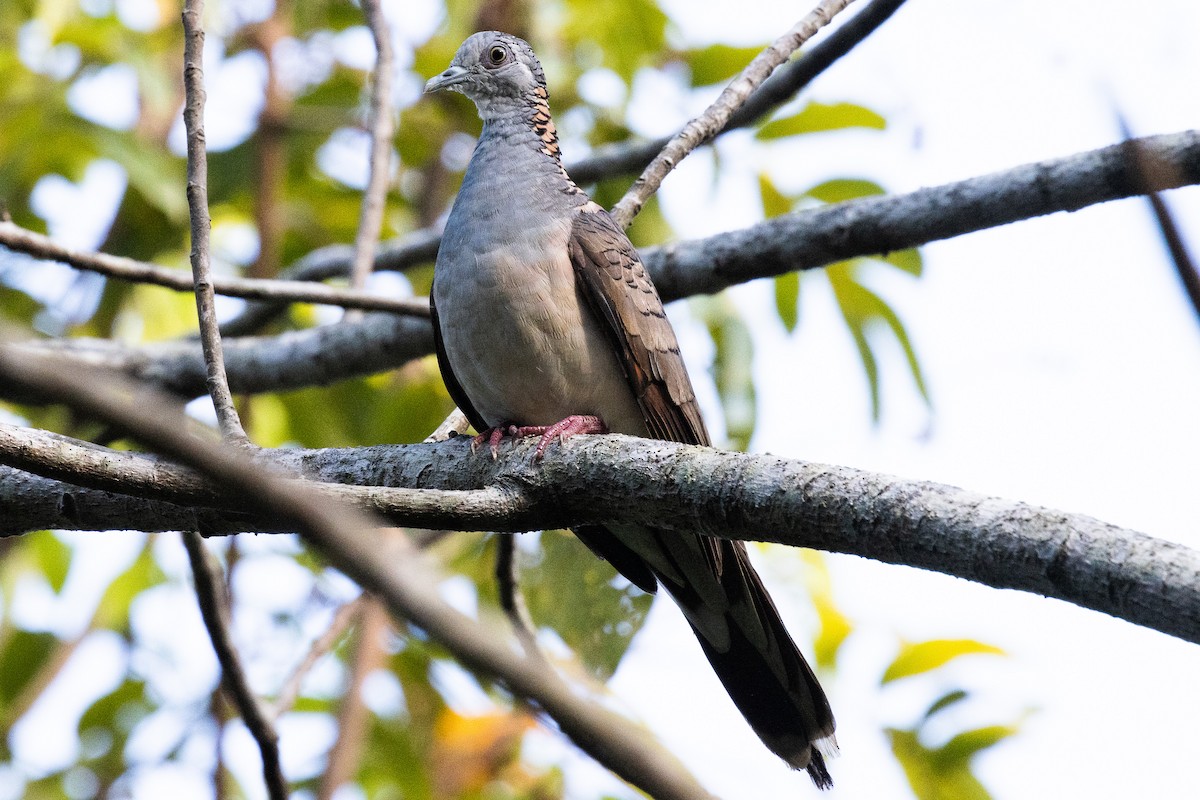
x=521, y=132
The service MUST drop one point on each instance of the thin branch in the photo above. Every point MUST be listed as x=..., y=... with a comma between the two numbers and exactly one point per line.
x=197, y=193
x=452, y=425
x=598, y=479
x=36, y=245
x=1152, y=172
x=370, y=220
x=270, y=145
x=715, y=117
x=354, y=717
x=334, y=261
x=346, y=616
x=781, y=87
x=511, y=599
x=210, y=593
x=351, y=542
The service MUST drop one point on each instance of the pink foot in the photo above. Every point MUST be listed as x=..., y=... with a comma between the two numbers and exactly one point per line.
x=562, y=430
x=492, y=437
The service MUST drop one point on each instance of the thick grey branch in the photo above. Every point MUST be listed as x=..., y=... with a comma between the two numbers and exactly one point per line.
x=803, y=240
x=292, y=360
x=874, y=225
x=996, y=542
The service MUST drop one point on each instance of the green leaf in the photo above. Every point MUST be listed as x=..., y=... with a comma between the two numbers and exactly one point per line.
x=945, y=701
x=885, y=313
x=834, y=626
x=839, y=190
x=787, y=299
x=51, y=556
x=817, y=117
x=16, y=306
x=774, y=202
x=24, y=655
x=920, y=657
x=852, y=301
x=860, y=308
x=732, y=366
x=909, y=261
x=401, y=406
x=718, y=62
x=113, y=610
x=607, y=26
x=158, y=175
x=930, y=777
x=105, y=727
x=964, y=746
x=603, y=613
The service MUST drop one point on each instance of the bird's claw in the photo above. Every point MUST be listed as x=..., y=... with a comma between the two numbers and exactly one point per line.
x=562, y=430
x=492, y=437
x=566, y=428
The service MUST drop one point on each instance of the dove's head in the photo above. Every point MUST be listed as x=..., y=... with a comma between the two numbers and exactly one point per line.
x=494, y=69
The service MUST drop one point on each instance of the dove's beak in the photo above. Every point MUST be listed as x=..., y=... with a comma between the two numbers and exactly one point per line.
x=449, y=79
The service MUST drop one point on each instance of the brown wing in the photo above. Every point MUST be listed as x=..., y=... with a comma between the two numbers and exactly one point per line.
x=619, y=291
x=712, y=580
x=452, y=385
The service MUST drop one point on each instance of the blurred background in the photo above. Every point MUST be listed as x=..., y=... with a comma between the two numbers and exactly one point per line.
x=1054, y=361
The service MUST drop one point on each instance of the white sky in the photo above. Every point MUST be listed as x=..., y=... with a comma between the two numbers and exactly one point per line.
x=1064, y=364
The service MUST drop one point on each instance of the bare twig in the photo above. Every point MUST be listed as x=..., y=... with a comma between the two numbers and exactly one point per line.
x=34, y=244
x=353, y=714
x=782, y=86
x=214, y=608
x=370, y=220
x=511, y=599
x=350, y=540
x=323, y=644
x=333, y=261
x=452, y=425
x=1151, y=171
x=713, y=120
x=197, y=192
x=270, y=145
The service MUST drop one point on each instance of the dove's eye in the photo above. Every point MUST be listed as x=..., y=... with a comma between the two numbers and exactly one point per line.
x=497, y=55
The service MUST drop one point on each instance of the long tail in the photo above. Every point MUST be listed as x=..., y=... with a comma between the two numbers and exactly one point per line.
x=740, y=631
x=753, y=654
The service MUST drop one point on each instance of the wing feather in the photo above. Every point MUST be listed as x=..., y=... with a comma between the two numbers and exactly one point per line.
x=619, y=291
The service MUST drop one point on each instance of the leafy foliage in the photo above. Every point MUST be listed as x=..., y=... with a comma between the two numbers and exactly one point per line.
x=604, y=612
x=941, y=771
x=862, y=308
x=95, y=86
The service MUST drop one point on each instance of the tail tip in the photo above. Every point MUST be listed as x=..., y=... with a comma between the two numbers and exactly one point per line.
x=812, y=760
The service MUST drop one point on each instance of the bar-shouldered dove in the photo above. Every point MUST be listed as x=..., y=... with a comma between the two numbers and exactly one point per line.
x=547, y=323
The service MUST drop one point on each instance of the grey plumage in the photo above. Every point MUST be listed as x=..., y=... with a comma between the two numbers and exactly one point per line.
x=542, y=310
